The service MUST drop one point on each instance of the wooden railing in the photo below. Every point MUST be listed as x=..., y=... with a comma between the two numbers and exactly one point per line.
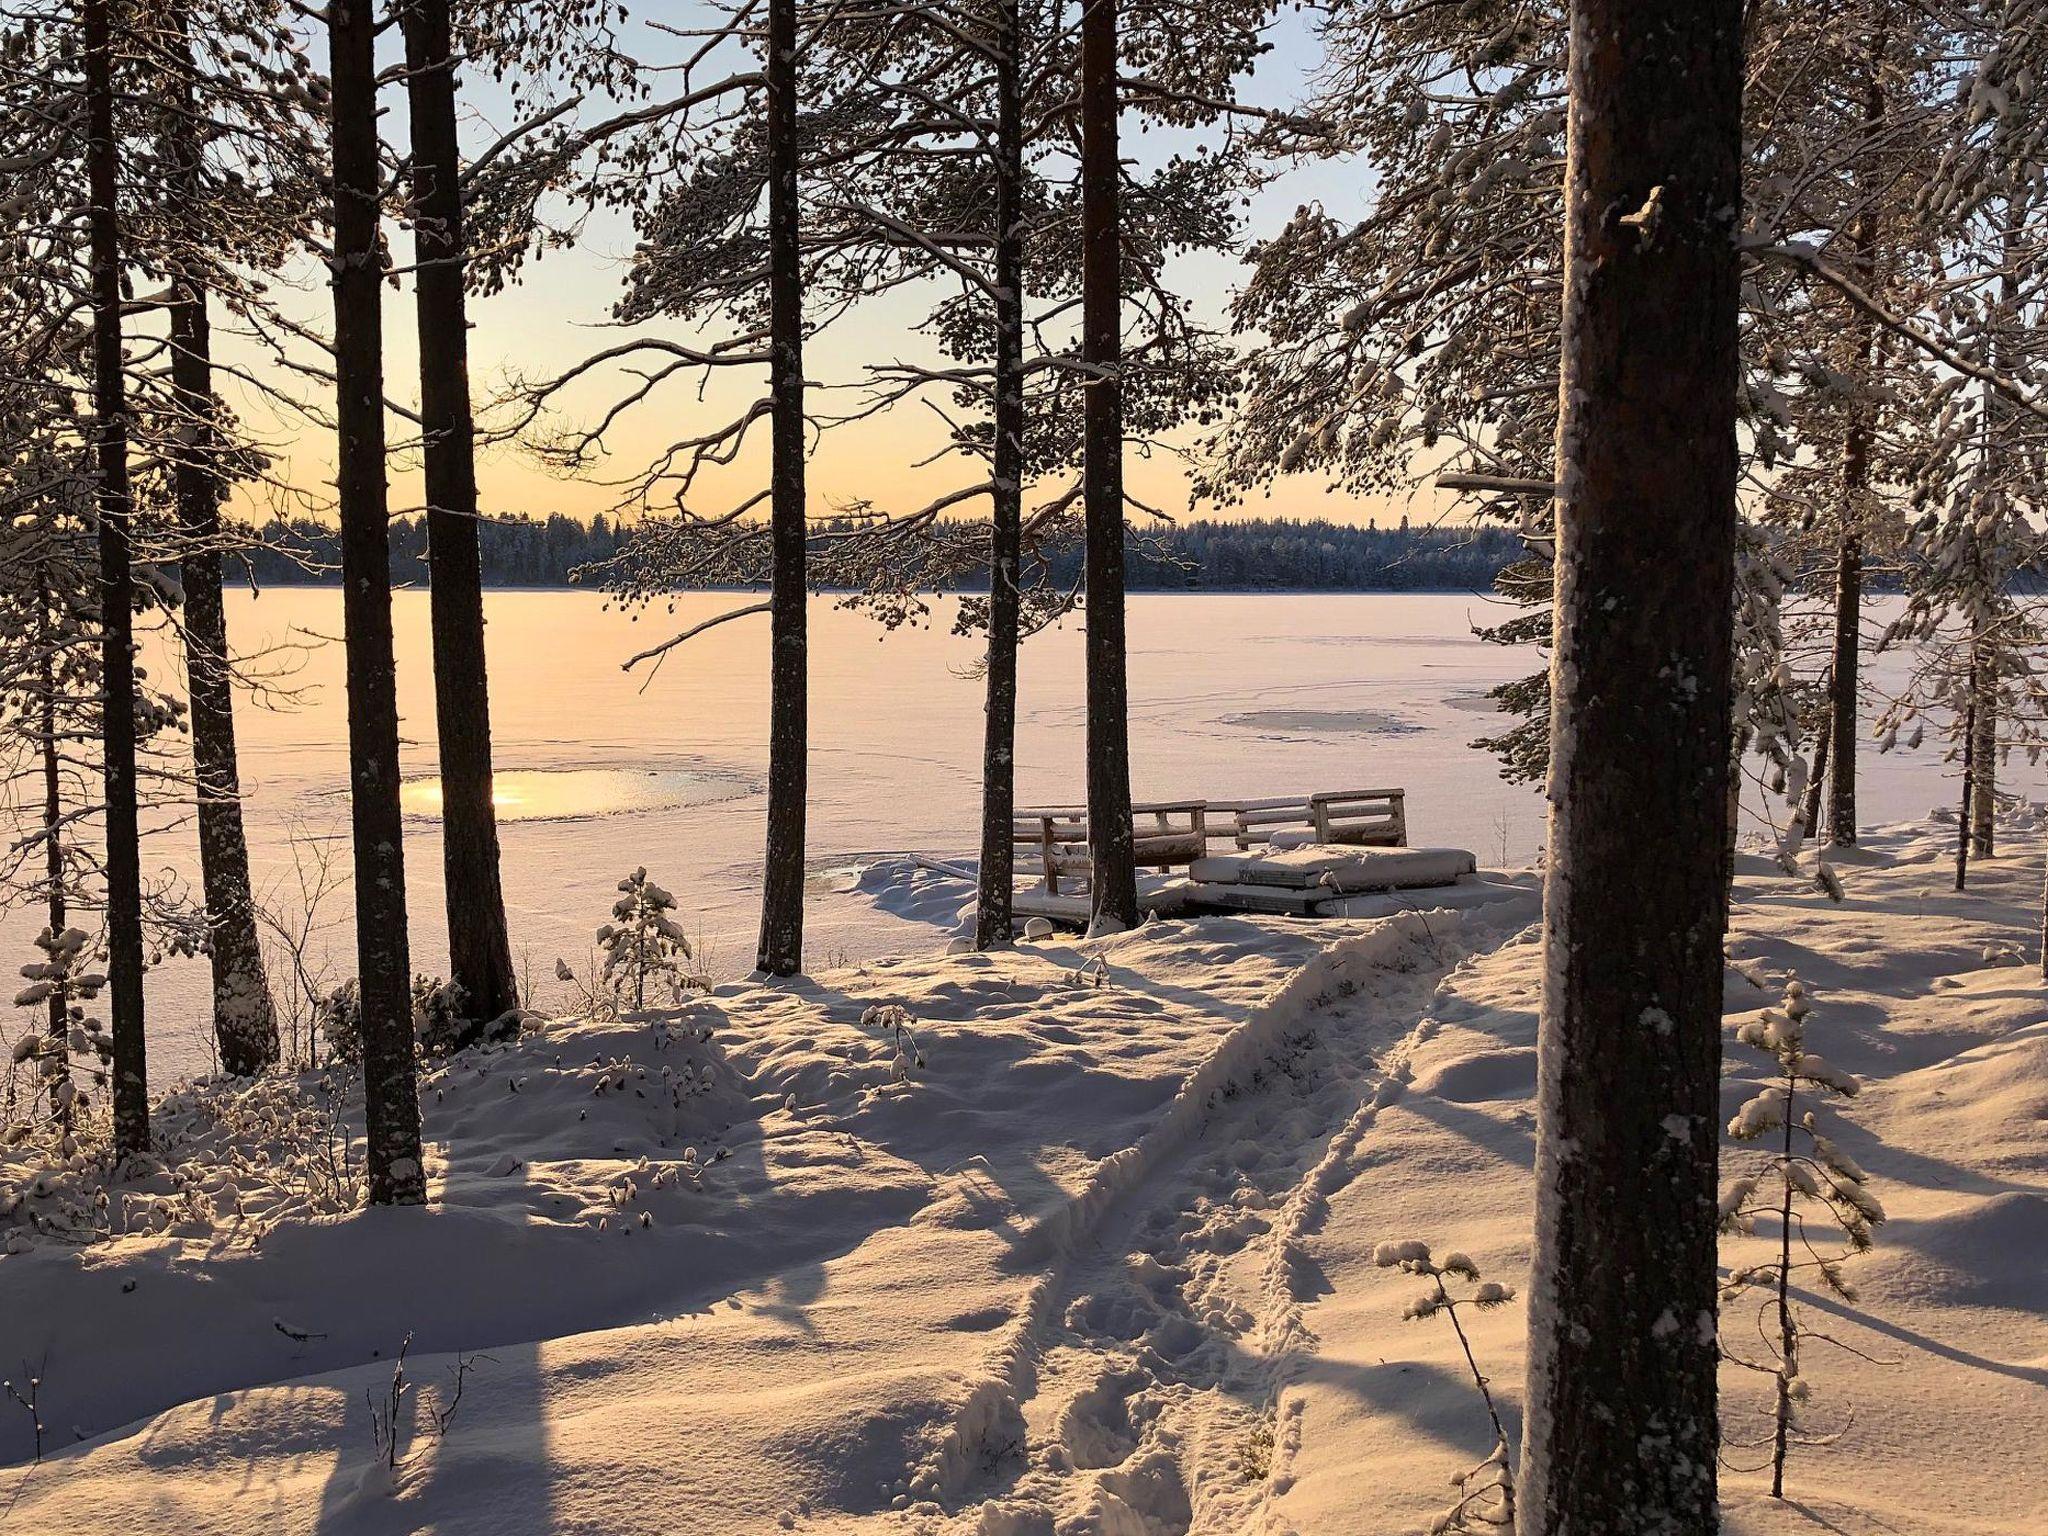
x=1170, y=833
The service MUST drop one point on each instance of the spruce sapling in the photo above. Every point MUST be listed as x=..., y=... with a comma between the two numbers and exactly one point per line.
x=1804, y=1175
x=643, y=943
x=1486, y=1492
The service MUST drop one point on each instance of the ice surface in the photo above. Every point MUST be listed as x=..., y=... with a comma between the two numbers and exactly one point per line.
x=895, y=758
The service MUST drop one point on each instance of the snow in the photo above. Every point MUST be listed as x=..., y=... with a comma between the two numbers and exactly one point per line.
x=1339, y=869
x=1086, y=1238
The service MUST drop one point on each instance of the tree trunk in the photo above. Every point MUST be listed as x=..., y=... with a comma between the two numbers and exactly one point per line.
x=1622, y=1433
x=993, y=911
x=116, y=506
x=1115, y=879
x=2044, y=927
x=244, y=1022
x=1848, y=626
x=781, y=951
x=56, y=906
x=1969, y=787
x=479, y=951
x=1983, y=752
x=1856, y=449
x=1809, y=809
x=383, y=961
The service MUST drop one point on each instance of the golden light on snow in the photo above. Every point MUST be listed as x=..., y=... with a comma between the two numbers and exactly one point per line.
x=564, y=794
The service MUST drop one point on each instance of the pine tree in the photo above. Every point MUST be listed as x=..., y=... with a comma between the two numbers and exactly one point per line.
x=245, y=1024
x=1622, y=1431
x=1806, y=1171
x=1111, y=848
x=383, y=960
x=781, y=948
x=116, y=512
x=479, y=950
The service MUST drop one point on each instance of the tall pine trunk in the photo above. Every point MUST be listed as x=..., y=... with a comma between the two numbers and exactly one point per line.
x=1110, y=848
x=1983, y=750
x=1998, y=426
x=56, y=905
x=383, y=960
x=1621, y=1432
x=1963, y=817
x=1809, y=805
x=116, y=506
x=1847, y=646
x=244, y=1021
x=993, y=912
x=1857, y=443
x=781, y=950
x=479, y=951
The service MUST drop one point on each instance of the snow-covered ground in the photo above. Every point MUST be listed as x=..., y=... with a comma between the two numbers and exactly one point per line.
x=1076, y=1239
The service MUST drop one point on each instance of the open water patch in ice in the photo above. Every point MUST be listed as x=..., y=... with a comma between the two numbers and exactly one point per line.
x=1320, y=722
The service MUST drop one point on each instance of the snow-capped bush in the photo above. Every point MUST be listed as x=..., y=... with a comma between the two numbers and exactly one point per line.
x=439, y=1020
x=1804, y=1175
x=895, y=1018
x=1486, y=1492
x=57, y=1057
x=339, y=1019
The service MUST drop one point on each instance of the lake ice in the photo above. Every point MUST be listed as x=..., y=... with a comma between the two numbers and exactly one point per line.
x=601, y=771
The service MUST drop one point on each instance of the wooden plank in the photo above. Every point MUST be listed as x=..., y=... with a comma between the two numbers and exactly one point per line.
x=1268, y=899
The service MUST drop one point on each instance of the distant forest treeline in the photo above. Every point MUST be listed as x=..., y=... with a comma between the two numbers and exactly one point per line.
x=1247, y=556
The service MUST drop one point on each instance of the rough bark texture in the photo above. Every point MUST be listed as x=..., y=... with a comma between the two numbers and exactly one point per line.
x=1110, y=848
x=1848, y=629
x=781, y=951
x=383, y=961
x=1809, y=807
x=1622, y=1433
x=116, y=506
x=1963, y=817
x=1983, y=753
x=479, y=950
x=244, y=1021
x=1857, y=441
x=993, y=916
x=56, y=906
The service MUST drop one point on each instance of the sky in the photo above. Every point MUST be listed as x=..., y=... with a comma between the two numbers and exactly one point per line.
x=557, y=313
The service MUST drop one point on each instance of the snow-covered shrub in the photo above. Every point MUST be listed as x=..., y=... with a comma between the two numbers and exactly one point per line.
x=338, y=1016
x=1804, y=1176
x=895, y=1019
x=440, y=1022
x=642, y=946
x=1486, y=1492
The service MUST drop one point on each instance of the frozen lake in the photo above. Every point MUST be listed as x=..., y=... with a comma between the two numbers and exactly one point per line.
x=1231, y=695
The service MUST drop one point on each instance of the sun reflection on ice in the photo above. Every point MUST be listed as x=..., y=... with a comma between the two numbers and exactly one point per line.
x=562, y=794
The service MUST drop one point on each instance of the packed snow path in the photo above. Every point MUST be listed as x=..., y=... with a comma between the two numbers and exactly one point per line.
x=1071, y=1241
x=1145, y=1382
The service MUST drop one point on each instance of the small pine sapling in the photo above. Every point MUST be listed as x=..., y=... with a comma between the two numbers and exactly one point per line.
x=1486, y=1492
x=63, y=984
x=1805, y=1175
x=643, y=943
